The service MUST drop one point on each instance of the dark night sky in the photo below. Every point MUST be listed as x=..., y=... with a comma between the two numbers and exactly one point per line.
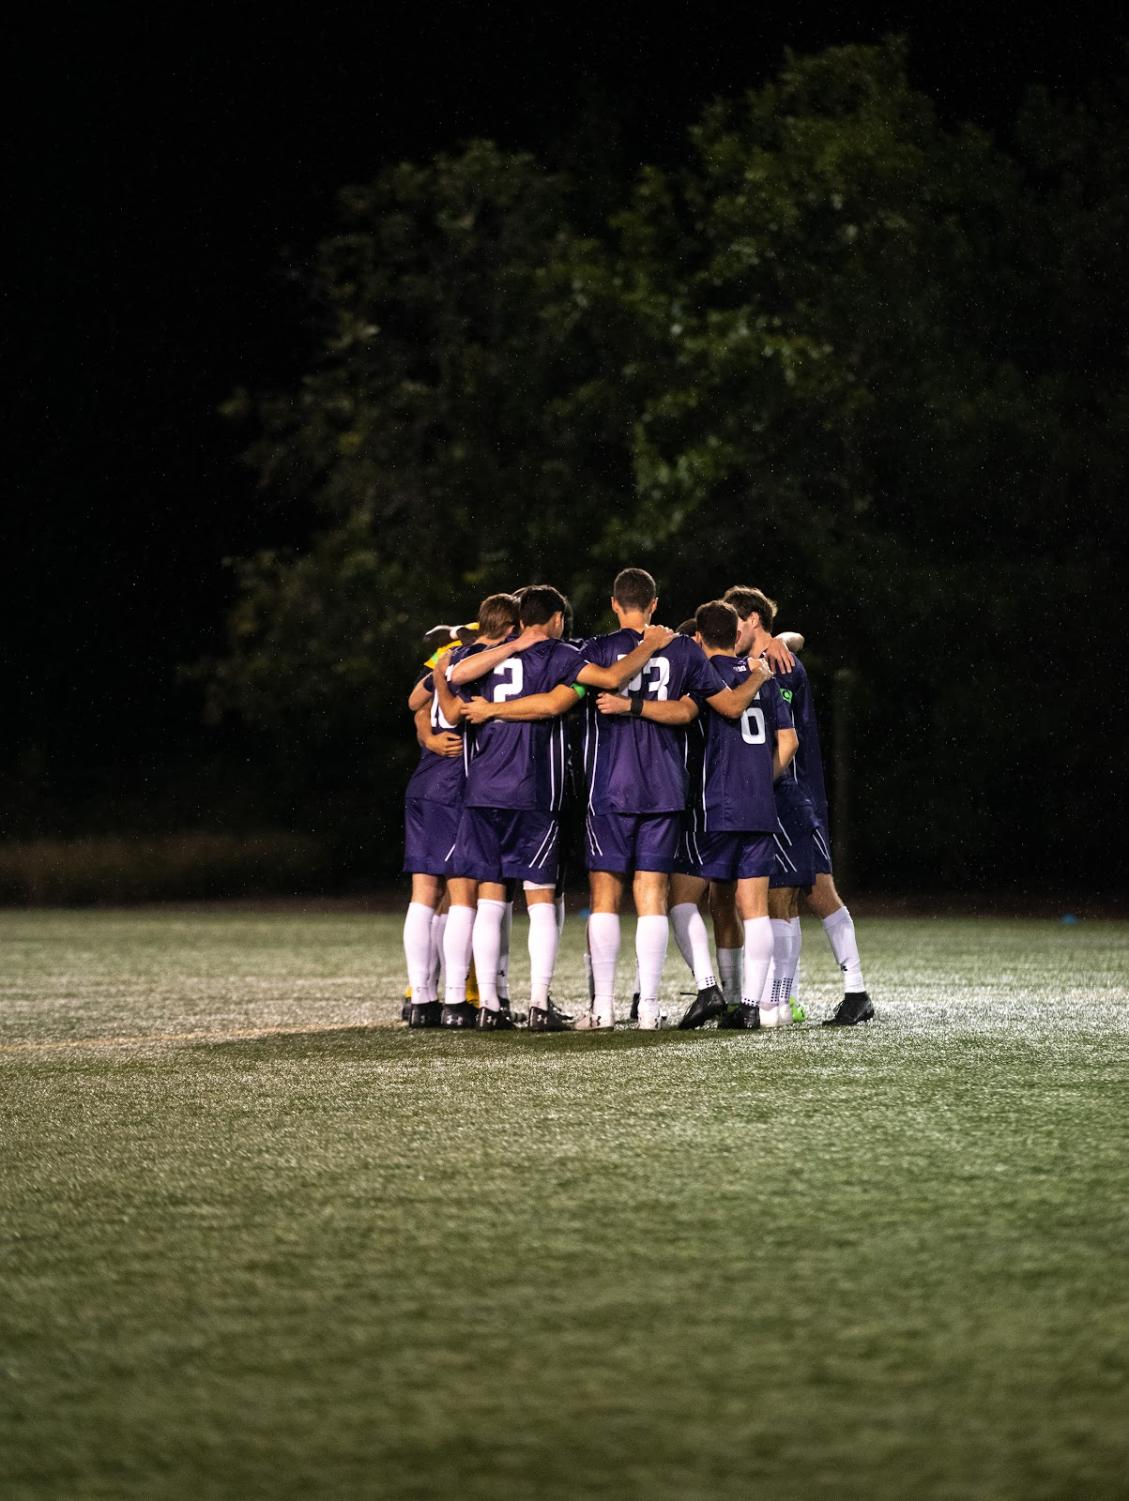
x=169, y=168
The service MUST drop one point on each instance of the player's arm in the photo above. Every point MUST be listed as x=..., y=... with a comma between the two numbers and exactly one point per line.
x=420, y=696
x=450, y=705
x=779, y=651
x=669, y=711
x=614, y=677
x=732, y=702
x=479, y=663
x=557, y=701
x=445, y=743
x=787, y=744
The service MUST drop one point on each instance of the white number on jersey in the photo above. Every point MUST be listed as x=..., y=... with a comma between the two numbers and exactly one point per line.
x=752, y=726
x=511, y=671
x=438, y=723
x=657, y=672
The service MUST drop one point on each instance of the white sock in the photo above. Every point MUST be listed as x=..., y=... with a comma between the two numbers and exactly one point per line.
x=456, y=952
x=729, y=966
x=758, y=958
x=635, y=986
x=782, y=959
x=588, y=970
x=603, y=945
x=560, y=906
x=651, y=937
x=504, y=955
x=487, y=945
x=417, y=951
x=693, y=942
x=438, y=928
x=543, y=941
x=840, y=930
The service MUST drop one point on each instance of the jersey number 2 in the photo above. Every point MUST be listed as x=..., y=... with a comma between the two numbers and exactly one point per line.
x=511, y=670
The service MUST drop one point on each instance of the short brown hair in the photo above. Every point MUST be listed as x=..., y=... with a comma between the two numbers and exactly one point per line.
x=717, y=624
x=634, y=588
x=497, y=614
x=746, y=600
x=540, y=602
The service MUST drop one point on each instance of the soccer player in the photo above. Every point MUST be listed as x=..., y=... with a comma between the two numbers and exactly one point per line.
x=635, y=765
x=433, y=807
x=509, y=827
x=727, y=835
x=803, y=848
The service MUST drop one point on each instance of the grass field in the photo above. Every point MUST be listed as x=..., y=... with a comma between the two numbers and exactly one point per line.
x=260, y=1242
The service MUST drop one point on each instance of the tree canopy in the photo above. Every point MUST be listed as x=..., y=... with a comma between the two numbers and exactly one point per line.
x=867, y=360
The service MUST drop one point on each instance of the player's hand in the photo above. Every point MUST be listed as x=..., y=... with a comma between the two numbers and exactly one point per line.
x=760, y=669
x=657, y=636
x=478, y=710
x=446, y=744
x=612, y=703
x=779, y=657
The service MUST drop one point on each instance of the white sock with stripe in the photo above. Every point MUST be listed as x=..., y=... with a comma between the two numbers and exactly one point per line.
x=438, y=928
x=840, y=930
x=504, y=955
x=693, y=942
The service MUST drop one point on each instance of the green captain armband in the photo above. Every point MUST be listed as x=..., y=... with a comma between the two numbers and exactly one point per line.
x=580, y=690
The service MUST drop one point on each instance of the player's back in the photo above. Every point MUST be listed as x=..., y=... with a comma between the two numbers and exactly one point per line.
x=520, y=763
x=633, y=765
x=733, y=792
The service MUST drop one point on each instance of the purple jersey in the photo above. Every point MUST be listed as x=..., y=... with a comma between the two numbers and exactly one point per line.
x=512, y=763
x=634, y=765
x=437, y=779
x=807, y=768
x=731, y=761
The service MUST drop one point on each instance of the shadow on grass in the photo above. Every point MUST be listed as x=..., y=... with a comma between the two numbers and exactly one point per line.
x=396, y=1042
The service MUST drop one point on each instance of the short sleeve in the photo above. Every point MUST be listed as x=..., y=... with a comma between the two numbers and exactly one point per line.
x=702, y=678
x=781, y=712
x=567, y=664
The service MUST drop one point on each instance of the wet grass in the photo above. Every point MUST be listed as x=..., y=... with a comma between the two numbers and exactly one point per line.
x=259, y=1242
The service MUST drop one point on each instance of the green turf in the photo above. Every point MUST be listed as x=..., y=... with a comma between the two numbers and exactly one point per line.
x=345, y=1260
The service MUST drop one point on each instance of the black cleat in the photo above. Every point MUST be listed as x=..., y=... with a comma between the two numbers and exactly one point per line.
x=635, y=1007
x=406, y=1011
x=494, y=1021
x=743, y=1018
x=461, y=1015
x=855, y=1007
x=555, y=1010
x=425, y=1015
x=704, y=1007
x=548, y=1019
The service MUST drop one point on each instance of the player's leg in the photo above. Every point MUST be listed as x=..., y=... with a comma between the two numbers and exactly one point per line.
x=418, y=919
x=486, y=942
x=530, y=843
x=783, y=907
x=605, y=895
x=752, y=909
x=652, y=934
x=438, y=928
x=826, y=903
x=654, y=858
x=728, y=938
x=689, y=928
x=703, y=859
x=457, y=940
x=610, y=841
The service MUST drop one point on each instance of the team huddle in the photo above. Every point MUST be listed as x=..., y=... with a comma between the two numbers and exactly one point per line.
x=685, y=764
